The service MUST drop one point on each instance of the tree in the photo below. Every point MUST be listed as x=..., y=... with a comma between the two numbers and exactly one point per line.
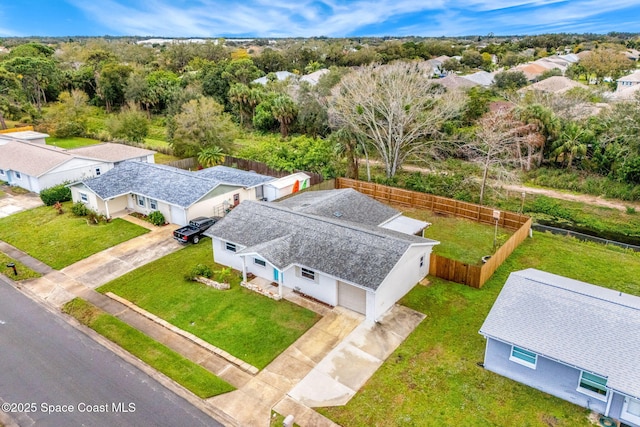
x=496, y=145
x=572, y=142
x=606, y=63
x=284, y=110
x=244, y=100
x=394, y=107
x=241, y=71
x=510, y=80
x=69, y=116
x=202, y=123
x=130, y=124
x=37, y=75
x=472, y=59
x=543, y=121
x=210, y=156
x=112, y=81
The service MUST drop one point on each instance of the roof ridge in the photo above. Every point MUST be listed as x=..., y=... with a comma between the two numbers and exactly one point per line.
x=583, y=293
x=378, y=231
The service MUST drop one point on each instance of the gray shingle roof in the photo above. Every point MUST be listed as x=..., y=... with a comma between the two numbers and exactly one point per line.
x=31, y=159
x=589, y=327
x=359, y=254
x=346, y=205
x=172, y=185
x=234, y=176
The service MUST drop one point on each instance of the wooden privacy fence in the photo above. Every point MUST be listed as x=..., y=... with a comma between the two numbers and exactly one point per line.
x=263, y=169
x=445, y=268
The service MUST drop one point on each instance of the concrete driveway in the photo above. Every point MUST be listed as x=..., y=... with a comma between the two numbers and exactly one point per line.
x=10, y=204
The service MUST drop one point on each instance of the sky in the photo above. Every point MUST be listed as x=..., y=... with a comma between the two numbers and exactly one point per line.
x=308, y=18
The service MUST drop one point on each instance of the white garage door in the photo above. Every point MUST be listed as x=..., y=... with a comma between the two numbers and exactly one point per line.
x=352, y=298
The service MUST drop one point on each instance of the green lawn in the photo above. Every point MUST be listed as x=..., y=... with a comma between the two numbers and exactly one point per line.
x=162, y=159
x=61, y=240
x=23, y=271
x=72, y=142
x=432, y=378
x=460, y=239
x=249, y=326
x=183, y=371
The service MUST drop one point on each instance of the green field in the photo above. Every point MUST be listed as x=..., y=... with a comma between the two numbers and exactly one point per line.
x=73, y=142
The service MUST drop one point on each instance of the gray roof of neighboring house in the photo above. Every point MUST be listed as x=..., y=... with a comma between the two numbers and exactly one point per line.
x=169, y=184
x=24, y=135
x=346, y=205
x=582, y=325
x=359, y=254
x=111, y=152
x=314, y=78
x=482, y=78
x=30, y=158
x=554, y=84
x=452, y=81
x=229, y=175
x=280, y=75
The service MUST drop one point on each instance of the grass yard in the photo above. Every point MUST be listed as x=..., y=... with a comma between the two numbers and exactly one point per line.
x=163, y=159
x=61, y=240
x=190, y=375
x=432, y=379
x=73, y=142
x=249, y=326
x=460, y=239
x=24, y=272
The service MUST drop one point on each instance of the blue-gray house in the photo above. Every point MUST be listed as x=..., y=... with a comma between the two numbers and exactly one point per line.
x=573, y=340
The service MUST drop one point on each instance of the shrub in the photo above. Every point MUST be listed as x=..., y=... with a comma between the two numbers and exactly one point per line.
x=631, y=210
x=199, y=270
x=224, y=275
x=58, y=193
x=156, y=218
x=79, y=209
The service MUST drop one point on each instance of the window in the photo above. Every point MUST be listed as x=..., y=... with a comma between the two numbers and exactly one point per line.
x=1, y=172
x=230, y=247
x=593, y=385
x=631, y=410
x=523, y=357
x=421, y=261
x=97, y=171
x=18, y=175
x=84, y=198
x=153, y=204
x=260, y=262
x=308, y=274
x=141, y=201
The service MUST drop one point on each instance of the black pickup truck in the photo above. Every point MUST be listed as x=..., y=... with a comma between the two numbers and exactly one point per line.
x=193, y=231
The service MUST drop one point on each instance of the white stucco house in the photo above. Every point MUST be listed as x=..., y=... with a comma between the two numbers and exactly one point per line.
x=180, y=195
x=571, y=339
x=628, y=81
x=337, y=246
x=36, y=166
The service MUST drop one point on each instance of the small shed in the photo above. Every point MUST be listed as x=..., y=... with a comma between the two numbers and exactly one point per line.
x=286, y=185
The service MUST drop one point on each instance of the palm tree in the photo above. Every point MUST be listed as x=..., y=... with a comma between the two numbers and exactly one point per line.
x=210, y=156
x=284, y=110
x=542, y=120
x=572, y=142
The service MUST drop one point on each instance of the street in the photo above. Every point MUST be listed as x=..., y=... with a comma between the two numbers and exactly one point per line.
x=51, y=374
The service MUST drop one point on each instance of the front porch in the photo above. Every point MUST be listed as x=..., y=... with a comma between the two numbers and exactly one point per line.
x=266, y=288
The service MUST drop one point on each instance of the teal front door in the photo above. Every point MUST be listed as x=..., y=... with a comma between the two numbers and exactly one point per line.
x=276, y=274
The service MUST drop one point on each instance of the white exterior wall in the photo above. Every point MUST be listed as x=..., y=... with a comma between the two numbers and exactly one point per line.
x=402, y=278
x=323, y=288
x=224, y=257
x=73, y=170
x=207, y=207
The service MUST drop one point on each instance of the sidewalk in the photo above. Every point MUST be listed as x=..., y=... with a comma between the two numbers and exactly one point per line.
x=286, y=384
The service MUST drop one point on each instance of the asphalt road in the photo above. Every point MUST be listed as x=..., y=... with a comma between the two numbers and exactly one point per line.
x=48, y=369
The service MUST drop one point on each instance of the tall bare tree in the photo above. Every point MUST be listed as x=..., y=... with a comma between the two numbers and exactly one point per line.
x=497, y=146
x=395, y=107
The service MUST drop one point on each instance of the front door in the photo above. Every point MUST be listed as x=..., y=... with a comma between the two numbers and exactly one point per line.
x=276, y=274
x=236, y=199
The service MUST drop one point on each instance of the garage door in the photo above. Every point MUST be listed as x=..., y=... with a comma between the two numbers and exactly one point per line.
x=352, y=298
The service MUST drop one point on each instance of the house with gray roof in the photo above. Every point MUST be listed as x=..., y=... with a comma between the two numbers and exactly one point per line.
x=571, y=339
x=179, y=194
x=36, y=166
x=328, y=246
x=628, y=81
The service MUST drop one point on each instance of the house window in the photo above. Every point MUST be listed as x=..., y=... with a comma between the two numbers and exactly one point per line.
x=1, y=172
x=230, y=247
x=308, y=274
x=18, y=175
x=97, y=171
x=140, y=201
x=593, y=385
x=260, y=262
x=631, y=410
x=523, y=357
x=84, y=198
x=153, y=204
x=421, y=261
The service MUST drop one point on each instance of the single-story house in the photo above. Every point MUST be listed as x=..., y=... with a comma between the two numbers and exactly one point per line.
x=314, y=78
x=36, y=166
x=24, y=136
x=628, y=81
x=279, y=76
x=180, y=195
x=554, y=84
x=571, y=339
x=336, y=246
x=482, y=78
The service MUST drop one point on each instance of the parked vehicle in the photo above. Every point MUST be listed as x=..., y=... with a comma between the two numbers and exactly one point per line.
x=193, y=232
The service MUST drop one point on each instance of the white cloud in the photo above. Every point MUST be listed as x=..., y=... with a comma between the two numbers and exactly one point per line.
x=274, y=18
